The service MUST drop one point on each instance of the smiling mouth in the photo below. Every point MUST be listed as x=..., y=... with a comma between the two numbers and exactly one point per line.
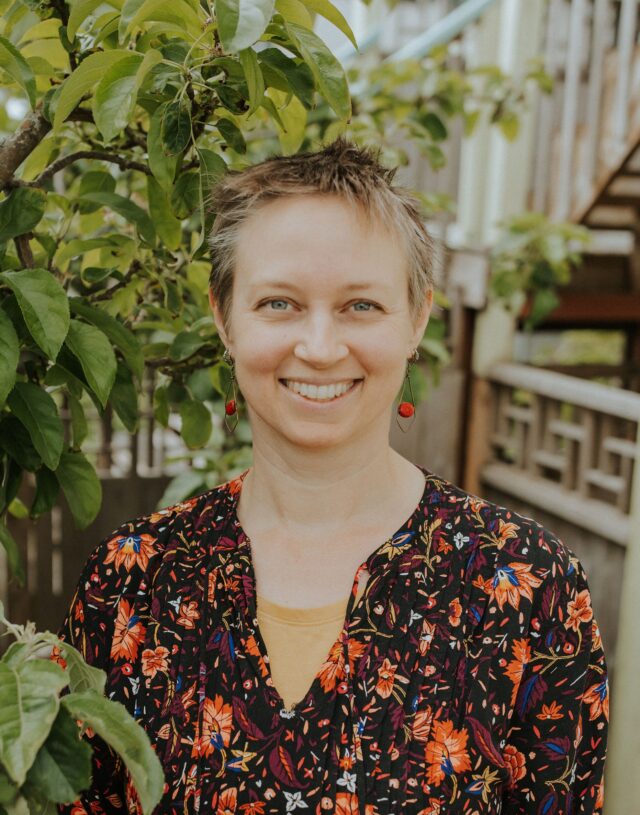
x=320, y=395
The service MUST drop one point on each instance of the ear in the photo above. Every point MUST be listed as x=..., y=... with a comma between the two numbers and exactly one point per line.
x=422, y=320
x=217, y=317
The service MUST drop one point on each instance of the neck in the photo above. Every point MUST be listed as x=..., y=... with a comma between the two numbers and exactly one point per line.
x=319, y=493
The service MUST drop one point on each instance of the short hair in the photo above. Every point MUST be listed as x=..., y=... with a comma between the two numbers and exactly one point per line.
x=342, y=168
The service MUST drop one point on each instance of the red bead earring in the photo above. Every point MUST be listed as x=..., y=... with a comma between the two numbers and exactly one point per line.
x=408, y=409
x=230, y=405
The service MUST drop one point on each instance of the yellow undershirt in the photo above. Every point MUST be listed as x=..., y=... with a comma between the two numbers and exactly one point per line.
x=298, y=641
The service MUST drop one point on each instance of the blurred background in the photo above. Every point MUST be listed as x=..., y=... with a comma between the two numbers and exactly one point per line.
x=518, y=122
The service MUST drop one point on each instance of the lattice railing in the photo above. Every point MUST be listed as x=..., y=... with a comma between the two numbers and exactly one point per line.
x=566, y=445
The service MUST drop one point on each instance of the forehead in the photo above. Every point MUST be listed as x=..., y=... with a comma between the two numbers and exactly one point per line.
x=319, y=240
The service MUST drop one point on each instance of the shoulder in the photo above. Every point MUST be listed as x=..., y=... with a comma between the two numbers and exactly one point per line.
x=134, y=549
x=501, y=539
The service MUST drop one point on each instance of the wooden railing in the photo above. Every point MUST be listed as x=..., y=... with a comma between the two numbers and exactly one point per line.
x=564, y=444
x=591, y=122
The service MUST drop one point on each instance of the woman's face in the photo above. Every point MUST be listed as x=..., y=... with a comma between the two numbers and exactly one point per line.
x=320, y=298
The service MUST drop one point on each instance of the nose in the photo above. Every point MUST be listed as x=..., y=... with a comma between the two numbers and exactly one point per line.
x=320, y=342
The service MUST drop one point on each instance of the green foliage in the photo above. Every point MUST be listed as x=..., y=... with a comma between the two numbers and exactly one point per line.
x=533, y=258
x=136, y=108
x=43, y=759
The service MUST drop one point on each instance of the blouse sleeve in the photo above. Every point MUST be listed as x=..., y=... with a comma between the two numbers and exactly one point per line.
x=556, y=742
x=89, y=626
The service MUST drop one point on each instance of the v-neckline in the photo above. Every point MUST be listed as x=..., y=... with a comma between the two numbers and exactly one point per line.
x=315, y=690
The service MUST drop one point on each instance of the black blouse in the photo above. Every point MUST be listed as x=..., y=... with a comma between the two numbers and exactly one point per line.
x=469, y=677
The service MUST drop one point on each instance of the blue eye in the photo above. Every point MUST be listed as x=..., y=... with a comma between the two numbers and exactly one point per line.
x=365, y=303
x=268, y=302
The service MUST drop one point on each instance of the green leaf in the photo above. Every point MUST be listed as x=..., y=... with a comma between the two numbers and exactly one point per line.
x=162, y=165
x=79, y=426
x=115, y=97
x=232, y=134
x=119, y=334
x=185, y=197
x=9, y=356
x=80, y=10
x=12, y=61
x=161, y=405
x=196, y=424
x=47, y=491
x=175, y=129
x=20, y=212
x=124, y=399
x=178, y=11
x=184, y=345
x=326, y=69
x=128, y=210
x=94, y=181
x=44, y=306
x=16, y=441
x=62, y=768
x=297, y=76
x=167, y=226
x=37, y=411
x=82, y=677
x=509, y=125
x=242, y=24
x=111, y=721
x=93, y=351
x=28, y=707
x=331, y=13
x=253, y=75
x=84, y=80
x=13, y=554
x=81, y=487
x=434, y=124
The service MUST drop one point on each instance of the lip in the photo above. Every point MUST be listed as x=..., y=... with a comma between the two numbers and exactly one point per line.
x=318, y=403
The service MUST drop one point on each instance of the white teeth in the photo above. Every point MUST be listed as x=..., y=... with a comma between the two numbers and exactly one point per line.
x=319, y=392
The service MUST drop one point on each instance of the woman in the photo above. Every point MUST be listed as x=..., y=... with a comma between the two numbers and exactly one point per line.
x=431, y=652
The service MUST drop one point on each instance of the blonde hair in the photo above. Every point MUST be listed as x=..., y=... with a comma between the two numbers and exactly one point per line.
x=343, y=169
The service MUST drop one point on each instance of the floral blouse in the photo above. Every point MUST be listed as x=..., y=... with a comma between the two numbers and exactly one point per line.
x=469, y=676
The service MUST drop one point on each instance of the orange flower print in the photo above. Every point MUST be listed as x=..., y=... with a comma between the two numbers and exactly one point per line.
x=426, y=637
x=154, y=661
x=515, y=669
x=551, y=711
x=596, y=642
x=433, y=808
x=332, y=671
x=580, y=610
x=512, y=582
x=446, y=753
x=226, y=802
x=253, y=808
x=346, y=804
x=422, y=724
x=130, y=551
x=597, y=697
x=455, y=610
x=182, y=506
x=128, y=633
x=386, y=676
x=188, y=614
x=56, y=656
x=515, y=761
x=506, y=531
x=216, y=727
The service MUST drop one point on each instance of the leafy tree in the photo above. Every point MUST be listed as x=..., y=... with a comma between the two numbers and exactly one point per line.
x=135, y=108
x=43, y=761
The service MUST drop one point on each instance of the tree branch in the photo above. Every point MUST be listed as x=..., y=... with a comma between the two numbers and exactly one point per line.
x=15, y=149
x=61, y=163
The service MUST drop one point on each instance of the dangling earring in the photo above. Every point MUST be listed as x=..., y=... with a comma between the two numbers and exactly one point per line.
x=230, y=405
x=407, y=409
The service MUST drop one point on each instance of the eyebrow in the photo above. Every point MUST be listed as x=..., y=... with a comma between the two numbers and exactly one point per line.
x=284, y=284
